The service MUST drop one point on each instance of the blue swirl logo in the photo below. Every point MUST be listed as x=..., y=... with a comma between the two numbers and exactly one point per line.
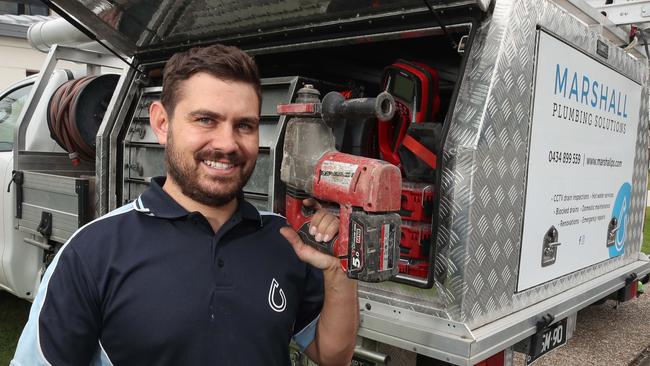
x=621, y=212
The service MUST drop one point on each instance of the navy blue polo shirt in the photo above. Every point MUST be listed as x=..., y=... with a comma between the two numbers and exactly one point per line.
x=153, y=284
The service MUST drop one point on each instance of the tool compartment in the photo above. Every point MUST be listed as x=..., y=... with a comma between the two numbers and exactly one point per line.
x=53, y=206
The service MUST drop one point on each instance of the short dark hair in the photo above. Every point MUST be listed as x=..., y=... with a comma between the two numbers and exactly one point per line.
x=223, y=62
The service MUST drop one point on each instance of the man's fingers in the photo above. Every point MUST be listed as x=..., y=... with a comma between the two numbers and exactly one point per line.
x=327, y=228
x=317, y=217
x=294, y=239
x=298, y=245
x=315, y=222
x=331, y=229
x=291, y=235
x=308, y=254
x=323, y=225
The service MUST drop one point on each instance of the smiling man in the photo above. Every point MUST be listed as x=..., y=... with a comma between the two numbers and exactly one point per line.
x=190, y=273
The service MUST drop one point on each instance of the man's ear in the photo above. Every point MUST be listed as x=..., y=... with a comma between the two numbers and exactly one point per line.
x=159, y=121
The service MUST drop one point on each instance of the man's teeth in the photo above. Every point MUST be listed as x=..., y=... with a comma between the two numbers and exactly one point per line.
x=218, y=165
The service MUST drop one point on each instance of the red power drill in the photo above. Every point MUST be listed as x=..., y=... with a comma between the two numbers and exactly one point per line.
x=366, y=190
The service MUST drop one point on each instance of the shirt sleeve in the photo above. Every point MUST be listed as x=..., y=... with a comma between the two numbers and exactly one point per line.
x=64, y=321
x=310, y=308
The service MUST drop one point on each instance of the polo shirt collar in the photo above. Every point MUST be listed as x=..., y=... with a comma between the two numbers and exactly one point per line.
x=156, y=202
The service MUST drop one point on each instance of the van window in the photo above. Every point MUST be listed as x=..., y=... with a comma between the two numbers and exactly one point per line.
x=11, y=104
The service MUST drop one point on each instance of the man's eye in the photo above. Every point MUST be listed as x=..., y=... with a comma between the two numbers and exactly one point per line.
x=204, y=121
x=246, y=127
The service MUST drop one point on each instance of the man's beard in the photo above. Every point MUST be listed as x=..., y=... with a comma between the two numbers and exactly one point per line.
x=187, y=177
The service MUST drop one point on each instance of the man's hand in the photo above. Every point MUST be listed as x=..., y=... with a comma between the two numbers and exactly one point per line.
x=324, y=226
x=339, y=319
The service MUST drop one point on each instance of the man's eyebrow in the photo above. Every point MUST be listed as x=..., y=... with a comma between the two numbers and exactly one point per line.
x=251, y=119
x=206, y=113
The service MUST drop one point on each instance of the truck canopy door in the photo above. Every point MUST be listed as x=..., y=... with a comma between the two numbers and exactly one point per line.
x=137, y=27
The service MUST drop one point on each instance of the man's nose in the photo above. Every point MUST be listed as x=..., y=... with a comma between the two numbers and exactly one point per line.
x=224, y=139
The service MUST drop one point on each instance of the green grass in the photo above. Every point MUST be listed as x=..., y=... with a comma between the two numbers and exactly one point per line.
x=13, y=316
x=645, y=248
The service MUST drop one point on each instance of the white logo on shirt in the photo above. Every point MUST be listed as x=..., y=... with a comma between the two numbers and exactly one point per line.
x=283, y=300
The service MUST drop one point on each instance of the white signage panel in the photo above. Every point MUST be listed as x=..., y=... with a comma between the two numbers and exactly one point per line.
x=580, y=164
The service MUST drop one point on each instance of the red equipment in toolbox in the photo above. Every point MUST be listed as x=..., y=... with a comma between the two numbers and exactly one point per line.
x=415, y=210
x=414, y=268
x=415, y=240
x=414, y=86
x=417, y=201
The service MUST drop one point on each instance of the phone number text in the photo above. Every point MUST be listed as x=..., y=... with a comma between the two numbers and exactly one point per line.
x=564, y=157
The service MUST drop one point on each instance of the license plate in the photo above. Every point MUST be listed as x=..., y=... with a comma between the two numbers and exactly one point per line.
x=546, y=340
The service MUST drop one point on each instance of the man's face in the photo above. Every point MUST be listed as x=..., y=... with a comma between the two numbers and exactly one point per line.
x=212, y=138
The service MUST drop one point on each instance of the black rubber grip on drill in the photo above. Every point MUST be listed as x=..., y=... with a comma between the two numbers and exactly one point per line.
x=335, y=107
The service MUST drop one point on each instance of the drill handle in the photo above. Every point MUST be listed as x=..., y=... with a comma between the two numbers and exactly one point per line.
x=299, y=217
x=335, y=107
x=326, y=247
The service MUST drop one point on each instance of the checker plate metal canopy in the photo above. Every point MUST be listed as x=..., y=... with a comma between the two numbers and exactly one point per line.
x=133, y=27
